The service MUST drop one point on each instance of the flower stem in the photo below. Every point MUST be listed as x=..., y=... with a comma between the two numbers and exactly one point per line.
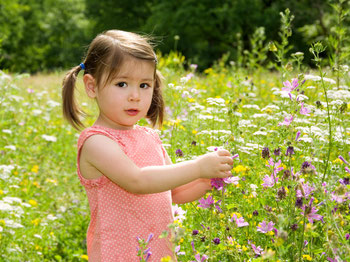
x=210, y=236
x=302, y=237
x=329, y=127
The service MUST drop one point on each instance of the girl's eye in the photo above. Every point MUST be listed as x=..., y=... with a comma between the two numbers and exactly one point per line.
x=144, y=85
x=121, y=84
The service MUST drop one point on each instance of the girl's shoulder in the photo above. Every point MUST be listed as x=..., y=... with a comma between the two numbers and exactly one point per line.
x=152, y=132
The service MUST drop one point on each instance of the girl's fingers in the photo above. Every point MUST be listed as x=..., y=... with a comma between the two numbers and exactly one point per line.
x=227, y=160
x=223, y=152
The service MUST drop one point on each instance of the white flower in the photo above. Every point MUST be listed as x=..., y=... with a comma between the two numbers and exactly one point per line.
x=38, y=236
x=10, y=200
x=7, y=131
x=252, y=106
x=11, y=147
x=179, y=213
x=37, y=112
x=51, y=217
x=5, y=207
x=306, y=139
x=253, y=187
x=49, y=138
x=260, y=133
x=270, y=107
x=343, y=95
x=52, y=103
x=12, y=224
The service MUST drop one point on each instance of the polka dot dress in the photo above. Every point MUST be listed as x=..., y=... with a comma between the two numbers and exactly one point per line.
x=119, y=217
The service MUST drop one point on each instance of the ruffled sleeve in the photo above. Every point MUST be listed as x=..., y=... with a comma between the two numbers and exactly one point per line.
x=98, y=182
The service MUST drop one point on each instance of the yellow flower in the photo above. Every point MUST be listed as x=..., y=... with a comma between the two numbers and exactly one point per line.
x=33, y=202
x=16, y=173
x=52, y=233
x=191, y=100
x=307, y=257
x=1, y=192
x=240, y=168
x=262, y=81
x=221, y=215
x=85, y=257
x=181, y=240
x=36, y=184
x=194, y=132
x=166, y=259
x=35, y=169
x=53, y=181
x=35, y=222
x=202, y=142
x=337, y=161
x=244, y=248
x=2, y=222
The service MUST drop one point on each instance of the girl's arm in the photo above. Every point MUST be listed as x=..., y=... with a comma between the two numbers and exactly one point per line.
x=108, y=158
x=191, y=191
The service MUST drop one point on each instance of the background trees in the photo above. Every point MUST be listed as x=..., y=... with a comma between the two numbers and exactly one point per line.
x=39, y=35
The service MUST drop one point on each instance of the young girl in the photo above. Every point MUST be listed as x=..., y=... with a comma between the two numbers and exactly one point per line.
x=128, y=176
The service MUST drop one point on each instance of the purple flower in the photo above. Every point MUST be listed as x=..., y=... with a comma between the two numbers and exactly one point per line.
x=179, y=153
x=347, y=236
x=265, y=153
x=216, y=241
x=177, y=251
x=149, y=253
x=297, y=136
x=149, y=237
x=218, y=183
x=277, y=152
x=235, y=156
x=347, y=169
x=257, y=250
x=304, y=110
x=263, y=227
x=290, y=151
x=342, y=159
x=195, y=232
x=310, y=212
x=239, y=221
x=305, y=190
x=206, y=203
x=269, y=181
x=287, y=121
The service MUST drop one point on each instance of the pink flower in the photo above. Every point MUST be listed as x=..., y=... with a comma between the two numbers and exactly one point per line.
x=239, y=221
x=287, y=121
x=232, y=180
x=206, y=203
x=177, y=251
x=310, y=212
x=264, y=228
x=306, y=190
x=179, y=213
x=257, y=250
x=199, y=259
x=288, y=86
x=269, y=181
x=275, y=165
x=303, y=110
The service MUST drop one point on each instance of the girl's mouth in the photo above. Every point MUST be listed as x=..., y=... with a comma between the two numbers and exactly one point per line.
x=132, y=112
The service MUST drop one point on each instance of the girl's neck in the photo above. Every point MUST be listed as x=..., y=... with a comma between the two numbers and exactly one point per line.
x=110, y=124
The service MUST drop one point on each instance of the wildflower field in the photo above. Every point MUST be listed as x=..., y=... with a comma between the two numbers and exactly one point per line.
x=288, y=130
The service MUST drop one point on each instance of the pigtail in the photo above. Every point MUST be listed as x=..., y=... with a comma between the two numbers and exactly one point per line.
x=156, y=110
x=71, y=111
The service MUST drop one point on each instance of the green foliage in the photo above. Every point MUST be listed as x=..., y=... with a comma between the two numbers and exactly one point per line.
x=42, y=35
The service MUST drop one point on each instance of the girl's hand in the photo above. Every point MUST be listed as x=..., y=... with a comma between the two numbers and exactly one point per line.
x=215, y=164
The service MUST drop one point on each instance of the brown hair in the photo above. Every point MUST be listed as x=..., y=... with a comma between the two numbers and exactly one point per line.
x=105, y=55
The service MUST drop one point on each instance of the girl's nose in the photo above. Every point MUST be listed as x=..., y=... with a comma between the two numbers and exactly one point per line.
x=134, y=94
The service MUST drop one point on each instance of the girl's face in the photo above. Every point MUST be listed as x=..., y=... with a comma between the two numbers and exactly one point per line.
x=127, y=98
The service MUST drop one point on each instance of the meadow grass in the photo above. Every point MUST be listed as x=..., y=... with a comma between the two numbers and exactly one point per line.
x=274, y=208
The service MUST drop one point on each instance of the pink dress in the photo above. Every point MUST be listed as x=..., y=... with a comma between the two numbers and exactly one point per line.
x=119, y=217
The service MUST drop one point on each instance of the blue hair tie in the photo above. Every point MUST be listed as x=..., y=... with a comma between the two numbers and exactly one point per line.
x=82, y=66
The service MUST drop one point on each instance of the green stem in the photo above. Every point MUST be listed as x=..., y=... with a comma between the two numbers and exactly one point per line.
x=210, y=236
x=302, y=236
x=329, y=126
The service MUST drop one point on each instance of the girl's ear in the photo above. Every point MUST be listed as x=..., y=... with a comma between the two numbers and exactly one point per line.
x=90, y=85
